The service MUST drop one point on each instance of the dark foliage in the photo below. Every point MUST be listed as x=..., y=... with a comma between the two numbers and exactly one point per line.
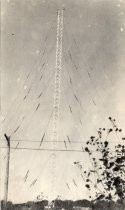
x=108, y=205
x=82, y=203
x=108, y=165
x=68, y=205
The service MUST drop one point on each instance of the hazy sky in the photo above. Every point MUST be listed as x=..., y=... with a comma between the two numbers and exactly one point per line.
x=93, y=61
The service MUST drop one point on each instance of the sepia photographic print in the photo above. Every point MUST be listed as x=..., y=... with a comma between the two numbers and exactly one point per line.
x=62, y=100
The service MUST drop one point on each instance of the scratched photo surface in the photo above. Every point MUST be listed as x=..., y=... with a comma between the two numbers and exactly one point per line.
x=62, y=77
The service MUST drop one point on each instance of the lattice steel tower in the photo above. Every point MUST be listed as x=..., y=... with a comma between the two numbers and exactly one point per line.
x=58, y=68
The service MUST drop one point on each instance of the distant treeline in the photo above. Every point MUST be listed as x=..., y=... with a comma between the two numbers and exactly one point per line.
x=66, y=204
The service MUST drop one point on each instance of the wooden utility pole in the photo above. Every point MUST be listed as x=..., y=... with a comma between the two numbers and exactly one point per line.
x=7, y=171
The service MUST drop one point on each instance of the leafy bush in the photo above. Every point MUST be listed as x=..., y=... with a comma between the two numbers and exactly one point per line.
x=108, y=167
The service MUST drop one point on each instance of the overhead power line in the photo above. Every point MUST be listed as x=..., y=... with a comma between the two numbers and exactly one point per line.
x=50, y=141
x=51, y=150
